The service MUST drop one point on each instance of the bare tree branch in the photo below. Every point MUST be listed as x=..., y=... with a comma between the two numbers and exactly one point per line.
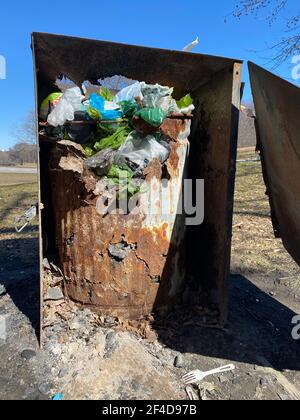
x=289, y=44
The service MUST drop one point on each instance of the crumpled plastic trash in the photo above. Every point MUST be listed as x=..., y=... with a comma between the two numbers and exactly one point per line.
x=129, y=108
x=173, y=108
x=188, y=109
x=152, y=94
x=49, y=104
x=153, y=116
x=107, y=110
x=129, y=93
x=80, y=133
x=165, y=103
x=57, y=397
x=137, y=152
x=56, y=133
x=104, y=131
x=114, y=141
x=106, y=93
x=69, y=103
x=185, y=104
x=185, y=101
x=117, y=173
x=191, y=45
x=110, y=106
x=101, y=162
x=122, y=176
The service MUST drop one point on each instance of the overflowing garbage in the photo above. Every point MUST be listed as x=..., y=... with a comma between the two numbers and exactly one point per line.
x=120, y=132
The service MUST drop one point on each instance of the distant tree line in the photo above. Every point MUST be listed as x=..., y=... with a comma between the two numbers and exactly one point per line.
x=19, y=154
x=24, y=151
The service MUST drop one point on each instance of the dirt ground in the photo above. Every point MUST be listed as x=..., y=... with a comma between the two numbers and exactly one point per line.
x=85, y=360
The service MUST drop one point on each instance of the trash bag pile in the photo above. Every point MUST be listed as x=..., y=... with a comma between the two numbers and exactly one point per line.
x=118, y=132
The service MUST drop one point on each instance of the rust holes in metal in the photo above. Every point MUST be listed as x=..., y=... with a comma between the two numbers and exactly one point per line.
x=119, y=251
x=70, y=240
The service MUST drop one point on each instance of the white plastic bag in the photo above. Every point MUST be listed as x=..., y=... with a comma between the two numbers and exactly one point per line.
x=64, y=111
x=110, y=106
x=153, y=94
x=192, y=45
x=173, y=108
x=188, y=109
x=137, y=153
x=164, y=103
x=129, y=93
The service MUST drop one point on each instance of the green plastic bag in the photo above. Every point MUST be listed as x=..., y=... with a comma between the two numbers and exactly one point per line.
x=89, y=149
x=107, y=129
x=129, y=108
x=185, y=102
x=117, y=173
x=114, y=141
x=122, y=176
x=93, y=113
x=110, y=133
x=153, y=116
x=106, y=93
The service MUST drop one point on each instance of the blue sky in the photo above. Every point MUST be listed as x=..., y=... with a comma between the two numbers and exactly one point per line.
x=165, y=24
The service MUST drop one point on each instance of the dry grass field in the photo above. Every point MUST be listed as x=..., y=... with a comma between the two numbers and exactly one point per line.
x=255, y=249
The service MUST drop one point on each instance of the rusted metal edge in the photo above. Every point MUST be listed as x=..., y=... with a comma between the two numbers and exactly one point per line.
x=235, y=114
x=260, y=150
x=94, y=122
x=40, y=205
x=62, y=56
x=133, y=46
x=277, y=104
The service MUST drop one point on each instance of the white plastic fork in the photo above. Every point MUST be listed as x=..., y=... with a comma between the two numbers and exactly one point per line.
x=198, y=375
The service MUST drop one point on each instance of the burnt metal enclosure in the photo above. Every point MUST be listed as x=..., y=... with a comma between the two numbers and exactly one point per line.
x=215, y=85
x=277, y=106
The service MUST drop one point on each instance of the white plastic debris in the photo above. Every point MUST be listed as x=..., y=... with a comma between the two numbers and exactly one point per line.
x=129, y=93
x=164, y=103
x=188, y=110
x=110, y=106
x=191, y=46
x=153, y=94
x=64, y=111
x=173, y=108
x=137, y=153
x=197, y=375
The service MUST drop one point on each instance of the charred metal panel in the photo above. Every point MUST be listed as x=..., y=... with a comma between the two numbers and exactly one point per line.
x=277, y=106
x=85, y=59
x=214, y=83
x=213, y=158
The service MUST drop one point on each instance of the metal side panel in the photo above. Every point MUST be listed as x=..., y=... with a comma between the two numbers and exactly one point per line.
x=277, y=105
x=40, y=205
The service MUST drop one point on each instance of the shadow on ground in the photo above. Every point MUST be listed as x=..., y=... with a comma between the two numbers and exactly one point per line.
x=19, y=274
x=259, y=326
x=259, y=331
x=12, y=230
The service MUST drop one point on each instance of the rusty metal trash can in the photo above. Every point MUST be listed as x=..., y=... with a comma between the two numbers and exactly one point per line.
x=125, y=265
x=134, y=265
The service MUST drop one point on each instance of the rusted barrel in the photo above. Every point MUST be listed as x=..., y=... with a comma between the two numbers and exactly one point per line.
x=125, y=265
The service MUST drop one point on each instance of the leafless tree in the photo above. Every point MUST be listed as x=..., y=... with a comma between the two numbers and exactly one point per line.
x=289, y=45
x=24, y=150
x=25, y=132
x=22, y=153
x=4, y=157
